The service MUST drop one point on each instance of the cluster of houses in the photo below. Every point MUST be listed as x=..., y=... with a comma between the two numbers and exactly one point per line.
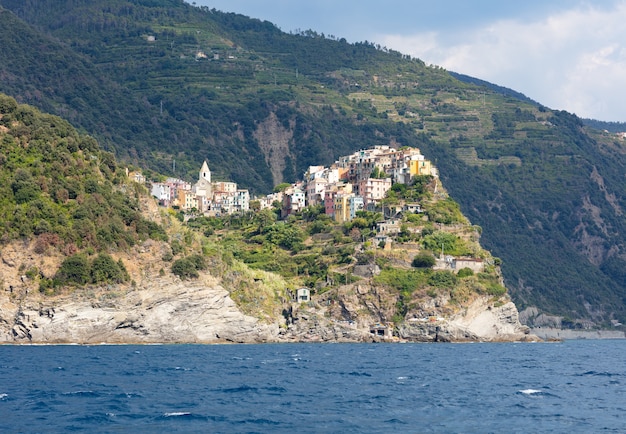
x=205, y=196
x=353, y=183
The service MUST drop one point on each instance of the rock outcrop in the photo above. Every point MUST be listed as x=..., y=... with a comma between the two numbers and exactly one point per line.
x=167, y=310
x=481, y=321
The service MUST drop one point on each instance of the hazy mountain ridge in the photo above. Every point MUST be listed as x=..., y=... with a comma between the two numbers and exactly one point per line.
x=547, y=192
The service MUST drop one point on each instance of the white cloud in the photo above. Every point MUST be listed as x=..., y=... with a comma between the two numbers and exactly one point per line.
x=574, y=60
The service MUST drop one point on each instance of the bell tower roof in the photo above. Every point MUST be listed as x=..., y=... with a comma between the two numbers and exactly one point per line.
x=205, y=172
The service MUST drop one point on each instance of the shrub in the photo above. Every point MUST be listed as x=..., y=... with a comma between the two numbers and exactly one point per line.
x=424, y=260
x=405, y=281
x=198, y=262
x=32, y=273
x=319, y=226
x=188, y=267
x=365, y=258
x=105, y=269
x=177, y=247
x=445, y=211
x=167, y=256
x=443, y=279
x=464, y=272
x=46, y=286
x=184, y=268
x=46, y=240
x=74, y=270
x=496, y=290
x=452, y=244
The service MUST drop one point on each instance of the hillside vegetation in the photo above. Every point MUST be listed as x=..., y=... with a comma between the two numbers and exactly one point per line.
x=70, y=203
x=60, y=190
x=161, y=81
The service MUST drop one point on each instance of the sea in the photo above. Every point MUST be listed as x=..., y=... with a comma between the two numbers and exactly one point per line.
x=576, y=386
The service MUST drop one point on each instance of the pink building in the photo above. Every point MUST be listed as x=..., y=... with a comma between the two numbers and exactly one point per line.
x=374, y=190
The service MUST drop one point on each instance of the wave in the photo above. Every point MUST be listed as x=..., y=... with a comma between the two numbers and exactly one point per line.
x=537, y=393
x=360, y=374
x=177, y=414
x=530, y=391
x=243, y=388
x=86, y=393
x=599, y=374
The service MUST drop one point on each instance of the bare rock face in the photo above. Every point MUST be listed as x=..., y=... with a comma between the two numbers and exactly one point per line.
x=274, y=139
x=166, y=310
x=480, y=321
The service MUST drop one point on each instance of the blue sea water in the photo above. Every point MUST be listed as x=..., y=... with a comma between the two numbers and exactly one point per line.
x=568, y=387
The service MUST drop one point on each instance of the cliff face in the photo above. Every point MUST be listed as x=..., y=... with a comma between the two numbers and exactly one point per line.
x=165, y=310
x=168, y=310
x=483, y=320
x=354, y=312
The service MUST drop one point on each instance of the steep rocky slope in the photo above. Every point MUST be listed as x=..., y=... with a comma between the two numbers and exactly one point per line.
x=163, y=309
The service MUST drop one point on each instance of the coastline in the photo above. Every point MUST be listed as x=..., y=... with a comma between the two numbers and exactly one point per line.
x=550, y=333
x=168, y=310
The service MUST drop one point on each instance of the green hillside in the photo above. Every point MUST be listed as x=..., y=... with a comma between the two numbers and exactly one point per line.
x=158, y=81
x=60, y=190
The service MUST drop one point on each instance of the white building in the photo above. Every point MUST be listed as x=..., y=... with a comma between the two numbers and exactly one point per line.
x=162, y=192
x=203, y=186
x=303, y=295
x=242, y=201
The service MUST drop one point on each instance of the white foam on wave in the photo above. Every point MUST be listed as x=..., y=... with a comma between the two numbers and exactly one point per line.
x=2, y=396
x=530, y=391
x=180, y=368
x=177, y=413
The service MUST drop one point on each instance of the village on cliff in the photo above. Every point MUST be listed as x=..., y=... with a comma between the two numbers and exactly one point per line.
x=356, y=182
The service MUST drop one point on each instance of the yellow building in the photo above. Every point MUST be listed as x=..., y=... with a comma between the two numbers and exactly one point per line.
x=420, y=167
x=342, y=208
x=187, y=200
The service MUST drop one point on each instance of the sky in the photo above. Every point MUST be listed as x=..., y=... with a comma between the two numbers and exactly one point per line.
x=565, y=54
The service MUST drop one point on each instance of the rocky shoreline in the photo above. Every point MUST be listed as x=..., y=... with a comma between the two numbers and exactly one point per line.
x=550, y=333
x=168, y=310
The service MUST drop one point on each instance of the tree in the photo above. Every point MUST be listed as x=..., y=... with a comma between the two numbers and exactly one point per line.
x=264, y=219
x=281, y=187
x=255, y=205
x=24, y=186
x=378, y=173
x=439, y=241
